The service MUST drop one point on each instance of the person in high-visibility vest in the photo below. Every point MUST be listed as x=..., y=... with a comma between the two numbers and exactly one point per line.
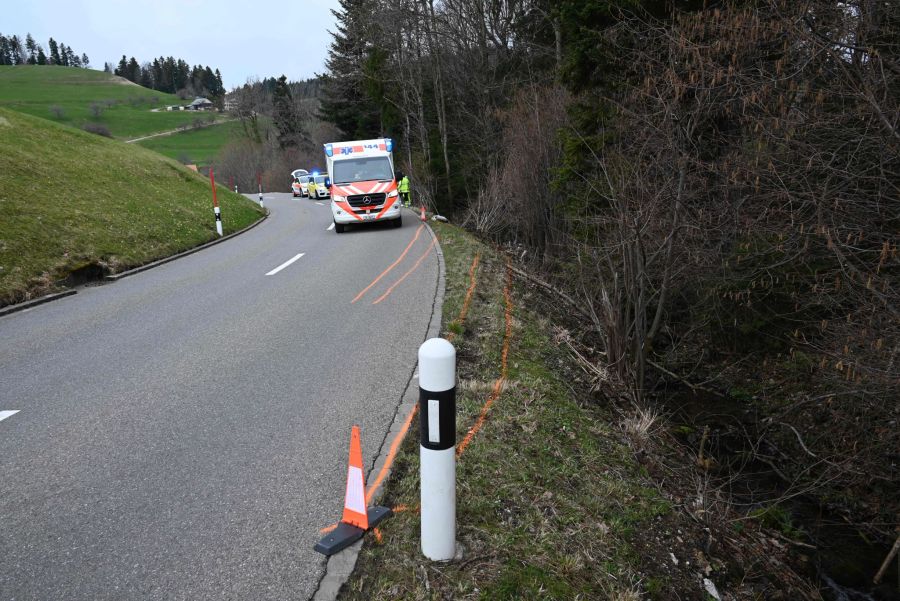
x=403, y=189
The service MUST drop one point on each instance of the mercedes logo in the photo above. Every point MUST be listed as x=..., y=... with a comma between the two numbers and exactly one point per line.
x=366, y=199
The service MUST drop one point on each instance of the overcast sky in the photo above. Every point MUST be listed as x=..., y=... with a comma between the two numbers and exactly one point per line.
x=242, y=39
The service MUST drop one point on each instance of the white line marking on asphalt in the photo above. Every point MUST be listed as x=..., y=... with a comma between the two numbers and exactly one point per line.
x=330, y=227
x=285, y=264
x=320, y=204
x=5, y=414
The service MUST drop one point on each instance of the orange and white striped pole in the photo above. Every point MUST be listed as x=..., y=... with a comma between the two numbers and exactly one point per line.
x=437, y=448
x=212, y=181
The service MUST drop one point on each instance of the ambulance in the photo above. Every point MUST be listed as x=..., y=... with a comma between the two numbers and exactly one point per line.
x=362, y=184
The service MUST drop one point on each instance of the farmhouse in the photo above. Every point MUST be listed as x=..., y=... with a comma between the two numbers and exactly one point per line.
x=200, y=104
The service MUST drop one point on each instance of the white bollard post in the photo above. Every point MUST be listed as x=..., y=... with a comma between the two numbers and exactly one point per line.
x=235, y=189
x=218, y=220
x=437, y=448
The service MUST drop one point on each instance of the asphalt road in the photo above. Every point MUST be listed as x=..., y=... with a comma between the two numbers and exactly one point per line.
x=183, y=433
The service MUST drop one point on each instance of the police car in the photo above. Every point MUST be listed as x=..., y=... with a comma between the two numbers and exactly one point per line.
x=318, y=187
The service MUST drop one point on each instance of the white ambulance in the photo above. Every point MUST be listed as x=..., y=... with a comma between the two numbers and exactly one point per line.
x=362, y=183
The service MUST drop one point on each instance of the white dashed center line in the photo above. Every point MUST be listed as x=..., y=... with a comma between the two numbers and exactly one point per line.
x=5, y=414
x=330, y=227
x=285, y=264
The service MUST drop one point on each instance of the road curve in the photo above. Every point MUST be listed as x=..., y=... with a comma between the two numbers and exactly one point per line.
x=182, y=433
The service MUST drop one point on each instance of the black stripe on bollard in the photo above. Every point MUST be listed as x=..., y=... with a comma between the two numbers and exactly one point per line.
x=437, y=419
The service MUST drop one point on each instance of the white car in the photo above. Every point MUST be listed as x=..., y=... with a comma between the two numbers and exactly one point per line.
x=298, y=186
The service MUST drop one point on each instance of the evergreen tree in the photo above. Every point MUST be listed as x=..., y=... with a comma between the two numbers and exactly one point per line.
x=54, y=52
x=123, y=67
x=63, y=55
x=41, y=57
x=289, y=130
x=209, y=81
x=5, y=54
x=31, y=49
x=133, y=70
x=344, y=100
x=146, y=76
x=71, y=59
x=16, y=53
x=85, y=61
x=107, y=68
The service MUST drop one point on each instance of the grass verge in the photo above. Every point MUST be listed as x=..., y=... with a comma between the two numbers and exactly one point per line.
x=560, y=494
x=551, y=500
x=75, y=205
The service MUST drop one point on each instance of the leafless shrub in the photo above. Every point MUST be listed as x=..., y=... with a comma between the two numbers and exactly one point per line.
x=516, y=201
x=748, y=204
x=96, y=110
x=57, y=111
x=97, y=128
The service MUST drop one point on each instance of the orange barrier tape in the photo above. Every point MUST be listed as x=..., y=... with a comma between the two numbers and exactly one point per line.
x=498, y=385
x=404, y=276
x=465, y=308
x=328, y=529
x=378, y=537
x=392, y=265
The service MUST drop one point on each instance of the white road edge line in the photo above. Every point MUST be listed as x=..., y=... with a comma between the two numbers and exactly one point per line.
x=320, y=204
x=5, y=414
x=330, y=227
x=285, y=264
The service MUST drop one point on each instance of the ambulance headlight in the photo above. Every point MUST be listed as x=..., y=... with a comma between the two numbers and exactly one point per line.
x=392, y=194
x=338, y=198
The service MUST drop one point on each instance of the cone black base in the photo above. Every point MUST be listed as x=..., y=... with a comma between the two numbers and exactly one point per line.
x=345, y=534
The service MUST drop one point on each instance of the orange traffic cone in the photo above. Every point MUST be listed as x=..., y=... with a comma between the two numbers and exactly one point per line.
x=423, y=213
x=355, y=499
x=357, y=518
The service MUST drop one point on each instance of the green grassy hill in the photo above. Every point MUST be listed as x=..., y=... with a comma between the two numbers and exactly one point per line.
x=66, y=95
x=70, y=200
x=198, y=146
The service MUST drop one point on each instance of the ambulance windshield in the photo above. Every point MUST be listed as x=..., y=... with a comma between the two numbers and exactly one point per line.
x=362, y=169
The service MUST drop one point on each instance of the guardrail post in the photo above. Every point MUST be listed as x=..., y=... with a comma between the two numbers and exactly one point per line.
x=259, y=184
x=437, y=448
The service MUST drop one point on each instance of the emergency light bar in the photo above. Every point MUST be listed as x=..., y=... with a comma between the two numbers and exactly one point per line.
x=389, y=144
x=329, y=150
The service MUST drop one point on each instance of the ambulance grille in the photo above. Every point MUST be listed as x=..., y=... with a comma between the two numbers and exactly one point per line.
x=359, y=200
